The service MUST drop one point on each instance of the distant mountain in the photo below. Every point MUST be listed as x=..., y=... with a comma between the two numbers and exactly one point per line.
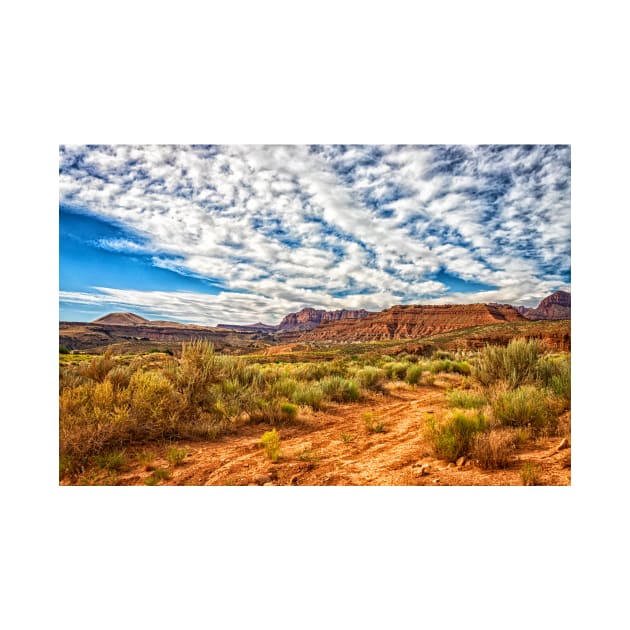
x=555, y=306
x=121, y=319
x=257, y=327
x=410, y=321
x=310, y=318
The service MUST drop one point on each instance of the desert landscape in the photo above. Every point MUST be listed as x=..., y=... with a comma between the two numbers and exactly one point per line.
x=413, y=395
x=309, y=315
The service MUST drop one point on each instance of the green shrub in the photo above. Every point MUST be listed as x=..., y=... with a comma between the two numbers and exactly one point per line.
x=396, y=369
x=452, y=438
x=284, y=387
x=440, y=355
x=111, y=461
x=446, y=365
x=270, y=441
x=288, y=411
x=340, y=389
x=555, y=374
x=310, y=371
x=64, y=350
x=308, y=394
x=176, y=456
x=156, y=476
x=515, y=364
x=465, y=400
x=527, y=406
x=371, y=377
x=372, y=424
x=413, y=374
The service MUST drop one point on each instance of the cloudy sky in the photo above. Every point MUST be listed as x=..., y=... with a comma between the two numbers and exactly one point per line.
x=240, y=234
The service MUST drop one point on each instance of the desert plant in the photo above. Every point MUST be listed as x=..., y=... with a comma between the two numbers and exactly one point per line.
x=307, y=455
x=308, y=394
x=371, y=377
x=530, y=474
x=452, y=438
x=270, y=441
x=340, y=389
x=64, y=350
x=176, y=456
x=414, y=374
x=159, y=474
x=515, y=364
x=146, y=459
x=67, y=466
x=372, y=424
x=347, y=438
x=526, y=406
x=98, y=368
x=493, y=449
x=446, y=365
x=288, y=411
x=396, y=369
x=111, y=461
x=465, y=400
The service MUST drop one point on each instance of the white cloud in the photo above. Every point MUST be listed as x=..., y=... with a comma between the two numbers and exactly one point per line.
x=311, y=223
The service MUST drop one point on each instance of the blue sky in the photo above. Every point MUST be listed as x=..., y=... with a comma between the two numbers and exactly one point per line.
x=218, y=234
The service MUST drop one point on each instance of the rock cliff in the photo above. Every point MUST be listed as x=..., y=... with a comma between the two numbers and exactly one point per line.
x=310, y=318
x=555, y=306
x=406, y=322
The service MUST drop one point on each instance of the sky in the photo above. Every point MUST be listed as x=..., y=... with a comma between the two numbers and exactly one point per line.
x=241, y=234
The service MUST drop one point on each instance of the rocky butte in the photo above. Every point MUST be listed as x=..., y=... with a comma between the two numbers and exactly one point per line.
x=310, y=318
x=555, y=306
x=405, y=322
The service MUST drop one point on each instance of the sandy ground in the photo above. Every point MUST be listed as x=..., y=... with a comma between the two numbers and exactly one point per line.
x=334, y=447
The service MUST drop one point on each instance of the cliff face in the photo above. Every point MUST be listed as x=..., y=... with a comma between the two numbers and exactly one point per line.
x=555, y=306
x=309, y=318
x=404, y=322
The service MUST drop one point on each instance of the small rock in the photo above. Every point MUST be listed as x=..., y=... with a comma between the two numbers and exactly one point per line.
x=273, y=474
x=262, y=479
x=436, y=480
x=294, y=480
x=563, y=444
x=461, y=461
x=450, y=465
x=268, y=484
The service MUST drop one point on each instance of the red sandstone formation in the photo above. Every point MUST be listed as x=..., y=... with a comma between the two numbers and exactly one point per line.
x=405, y=322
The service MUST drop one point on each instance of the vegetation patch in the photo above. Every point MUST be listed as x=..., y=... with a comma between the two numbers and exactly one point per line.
x=270, y=441
x=414, y=374
x=514, y=364
x=159, y=474
x=494, y=449
x=465, y=399
x=176, y=456
x=526, y=406
x=340, y=389
x=372, y=423
x=452, y=437
x=530, y=474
